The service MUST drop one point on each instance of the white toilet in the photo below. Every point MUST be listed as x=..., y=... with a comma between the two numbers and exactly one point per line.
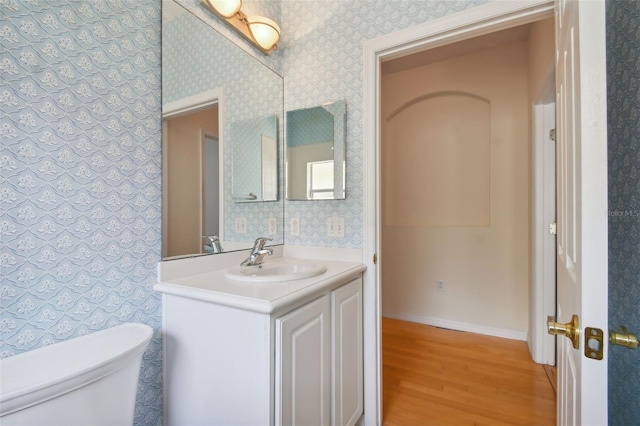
x=88, y=380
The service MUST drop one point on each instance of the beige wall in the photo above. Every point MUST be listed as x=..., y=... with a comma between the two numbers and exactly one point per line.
x=542, y=61
x=438, y=162
x=482, y=256
x=297, y=159
x=184, y=167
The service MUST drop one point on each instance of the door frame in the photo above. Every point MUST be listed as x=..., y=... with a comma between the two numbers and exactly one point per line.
x=203, y=182
x=459, y=26
x=542, y=293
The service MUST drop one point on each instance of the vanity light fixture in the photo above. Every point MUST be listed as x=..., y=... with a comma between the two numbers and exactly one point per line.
x=262, y=32
x=226, y=8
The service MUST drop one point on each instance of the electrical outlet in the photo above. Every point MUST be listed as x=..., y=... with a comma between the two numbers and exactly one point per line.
x=241, y=225
x=335, y=227
x=294, y=224
x=340, y=227
x=273, y=226
x=440, y=285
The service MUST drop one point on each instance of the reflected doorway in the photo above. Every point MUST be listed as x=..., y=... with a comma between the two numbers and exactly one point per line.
x=192, y=169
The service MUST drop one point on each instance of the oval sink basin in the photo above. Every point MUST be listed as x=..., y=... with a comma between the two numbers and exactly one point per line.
x=276, y=271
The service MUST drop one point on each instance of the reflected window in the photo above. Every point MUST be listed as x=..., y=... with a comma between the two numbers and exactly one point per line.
x=320, y=180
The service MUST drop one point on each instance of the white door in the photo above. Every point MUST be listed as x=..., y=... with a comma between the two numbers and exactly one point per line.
x=582, y=205
x=303, y=365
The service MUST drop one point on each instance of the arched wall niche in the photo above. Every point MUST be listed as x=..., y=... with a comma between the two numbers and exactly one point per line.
x=438, y=161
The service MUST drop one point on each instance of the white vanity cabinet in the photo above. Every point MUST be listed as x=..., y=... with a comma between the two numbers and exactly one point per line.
x=303, y=365
x=296, y=359
x=319, y=360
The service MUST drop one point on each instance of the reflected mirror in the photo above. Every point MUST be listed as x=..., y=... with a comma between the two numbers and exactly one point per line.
x=316, y=152
x=221, y=113
x=255, y=160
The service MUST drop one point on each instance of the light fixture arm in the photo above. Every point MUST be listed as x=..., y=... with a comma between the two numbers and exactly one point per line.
x=242, y=24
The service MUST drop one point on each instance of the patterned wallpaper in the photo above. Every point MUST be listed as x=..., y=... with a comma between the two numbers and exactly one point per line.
x=309, y=126
x=623, y=75
x=195, y=58
x=322, y=61
x=80, y=175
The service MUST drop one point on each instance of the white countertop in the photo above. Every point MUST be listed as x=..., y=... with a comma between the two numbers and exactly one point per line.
x=265, y=297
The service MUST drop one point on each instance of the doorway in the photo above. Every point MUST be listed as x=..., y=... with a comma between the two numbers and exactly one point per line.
x=455, y=185
x=193, y=173
x=480, y=21
x=456, y=191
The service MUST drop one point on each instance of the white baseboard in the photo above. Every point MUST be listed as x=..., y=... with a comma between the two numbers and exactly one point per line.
x=459, y=326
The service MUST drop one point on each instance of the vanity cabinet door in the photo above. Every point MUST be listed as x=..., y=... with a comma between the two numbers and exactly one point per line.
x=303, y=365
x=347, y=383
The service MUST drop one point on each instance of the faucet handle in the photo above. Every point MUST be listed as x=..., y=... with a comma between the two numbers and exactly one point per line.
x=260, y=242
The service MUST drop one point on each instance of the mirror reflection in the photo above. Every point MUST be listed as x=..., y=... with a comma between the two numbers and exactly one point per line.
x=255, y=160
x=226, y=106
x=193, y=180
x=316, y=152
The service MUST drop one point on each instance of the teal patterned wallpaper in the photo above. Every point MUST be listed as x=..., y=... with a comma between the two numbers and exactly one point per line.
x=623, y=78
x=80, y=175
x=309, y=126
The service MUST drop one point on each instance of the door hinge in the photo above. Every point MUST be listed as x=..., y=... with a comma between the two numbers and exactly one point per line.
x=552, y=134
x=553, y=228
x=375, y=258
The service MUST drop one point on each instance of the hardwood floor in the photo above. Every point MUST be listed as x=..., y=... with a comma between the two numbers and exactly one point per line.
x=433, y=376
x=552, y=375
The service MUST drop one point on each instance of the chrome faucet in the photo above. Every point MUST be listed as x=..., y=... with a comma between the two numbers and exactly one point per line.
x=212, y=244
x=258, y=252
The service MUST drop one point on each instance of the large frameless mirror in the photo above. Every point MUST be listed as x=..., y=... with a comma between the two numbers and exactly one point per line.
x=222, y=110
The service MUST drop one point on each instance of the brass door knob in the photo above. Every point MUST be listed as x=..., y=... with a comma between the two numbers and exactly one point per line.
x=570, y=329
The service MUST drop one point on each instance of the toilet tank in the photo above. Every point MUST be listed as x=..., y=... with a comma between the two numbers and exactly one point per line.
x=88, y=380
